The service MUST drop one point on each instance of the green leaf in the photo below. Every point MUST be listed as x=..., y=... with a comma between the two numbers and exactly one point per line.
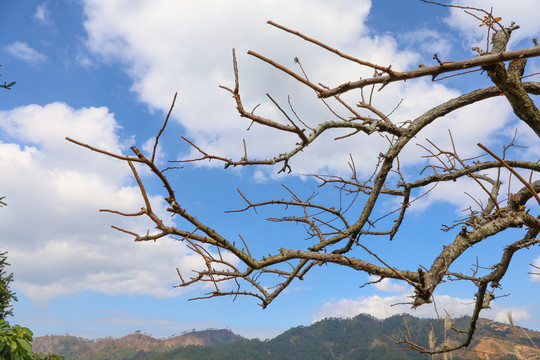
x=24, y=344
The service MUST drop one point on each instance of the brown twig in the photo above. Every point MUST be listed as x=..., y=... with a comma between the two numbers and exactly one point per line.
x=523, y=181
x=163, y=127
x=335, y=51
x=127, y=158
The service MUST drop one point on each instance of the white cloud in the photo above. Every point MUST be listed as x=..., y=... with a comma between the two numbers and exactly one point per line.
x=58, y=243
x=42, y=13
x=468, y=125
x=84, y=61
x=384, y=307
x=428, y=41
x=522, y=12
x=516, y=313
x=527, y=138
x=150, y=39
x=457, y=193
x=23, y=51
x=148, y=150
x=386, y=284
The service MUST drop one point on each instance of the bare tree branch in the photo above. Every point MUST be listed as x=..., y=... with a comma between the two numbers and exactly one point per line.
x=338, y=233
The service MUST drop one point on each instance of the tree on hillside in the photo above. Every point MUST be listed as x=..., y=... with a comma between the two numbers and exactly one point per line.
x=15, y=340
x=6, y=295
x=337, y=232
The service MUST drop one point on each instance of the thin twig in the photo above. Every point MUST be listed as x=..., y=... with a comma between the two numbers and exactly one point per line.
x=523, y=181
x=163, y=127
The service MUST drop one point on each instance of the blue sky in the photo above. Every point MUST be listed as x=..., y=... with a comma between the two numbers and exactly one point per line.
x=104, y=72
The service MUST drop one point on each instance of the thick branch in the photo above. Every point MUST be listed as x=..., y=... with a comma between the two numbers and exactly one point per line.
x=434, y=70
x=462, y=242
x=509, y=82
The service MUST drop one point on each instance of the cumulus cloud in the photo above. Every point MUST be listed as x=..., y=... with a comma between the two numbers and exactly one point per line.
x=520, y=12
x=58, y=243
x=386, y=284
x=23, y=51
x=150, y=40
x=383, y=307
x=161, y=59
x=515, y=313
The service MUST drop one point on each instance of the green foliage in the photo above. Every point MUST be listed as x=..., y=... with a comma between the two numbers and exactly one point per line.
x=362, y=337
x=47, y=357
x=15, y=344
x=6, y=295
x=15, y=341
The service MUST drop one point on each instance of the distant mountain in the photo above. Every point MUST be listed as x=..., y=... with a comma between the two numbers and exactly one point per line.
x=133, y=346
x=363, y=337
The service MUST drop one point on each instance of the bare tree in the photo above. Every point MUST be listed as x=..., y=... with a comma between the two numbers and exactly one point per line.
x=336, y=232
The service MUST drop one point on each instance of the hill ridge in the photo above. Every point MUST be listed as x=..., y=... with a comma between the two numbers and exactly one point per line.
x=362, y=337
x=68, y=345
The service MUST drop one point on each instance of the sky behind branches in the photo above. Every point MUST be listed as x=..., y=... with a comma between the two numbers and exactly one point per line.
x=105, y=72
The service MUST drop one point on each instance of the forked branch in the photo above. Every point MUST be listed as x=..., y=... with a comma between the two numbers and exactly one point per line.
x=353, y=210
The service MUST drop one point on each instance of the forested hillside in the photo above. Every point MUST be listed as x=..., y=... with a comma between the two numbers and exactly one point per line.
x=362, y=337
